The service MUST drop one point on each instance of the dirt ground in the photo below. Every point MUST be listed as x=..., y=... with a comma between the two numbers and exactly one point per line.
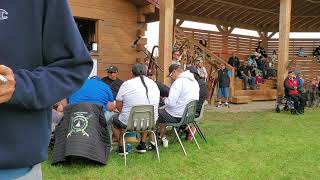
x=251, y=107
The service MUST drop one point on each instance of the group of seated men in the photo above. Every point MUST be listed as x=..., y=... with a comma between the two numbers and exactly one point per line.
x=118, y=98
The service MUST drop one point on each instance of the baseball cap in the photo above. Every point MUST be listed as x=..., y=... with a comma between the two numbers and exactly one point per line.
x=193, y=70
x=113, y=69
x=173, y=67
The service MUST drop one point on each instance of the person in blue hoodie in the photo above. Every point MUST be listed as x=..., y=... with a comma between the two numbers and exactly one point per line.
x=44, y=60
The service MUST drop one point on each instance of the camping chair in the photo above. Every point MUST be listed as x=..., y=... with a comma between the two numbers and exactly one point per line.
x=187, y=118
x=197, y=120
x=141, y=118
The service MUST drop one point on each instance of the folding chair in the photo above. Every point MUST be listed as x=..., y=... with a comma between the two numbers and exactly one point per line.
x=197, y=120
x=187, y=118
x=141, y=118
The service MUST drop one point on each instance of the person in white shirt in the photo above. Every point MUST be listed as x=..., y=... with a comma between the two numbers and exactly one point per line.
x=184, y=89
x=139, y=90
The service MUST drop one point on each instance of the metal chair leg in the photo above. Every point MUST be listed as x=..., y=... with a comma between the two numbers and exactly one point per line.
x=194, y=138
x=124, y=148
x=185, y=153
x=200, y=132
x=157, y=148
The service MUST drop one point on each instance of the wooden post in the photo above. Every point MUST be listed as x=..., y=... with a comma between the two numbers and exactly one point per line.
x=225, y=32
x=284, y=30
x=264, y=39
x=165, y=38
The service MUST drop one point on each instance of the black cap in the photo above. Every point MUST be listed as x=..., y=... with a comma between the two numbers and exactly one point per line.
x=139, y=69
x=173, y=67
x=112, y=69
x=193, y=70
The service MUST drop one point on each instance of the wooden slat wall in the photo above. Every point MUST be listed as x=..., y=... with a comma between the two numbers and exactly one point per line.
x=117, y=30
x=239, y=44
x=307, y=44
x=243, y=46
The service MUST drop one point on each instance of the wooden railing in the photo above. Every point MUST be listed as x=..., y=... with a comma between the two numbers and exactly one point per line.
x=191, y=48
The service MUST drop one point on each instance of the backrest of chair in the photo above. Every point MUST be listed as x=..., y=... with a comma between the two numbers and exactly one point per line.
x=141, y=118
x=189, y=112
x=202, y=110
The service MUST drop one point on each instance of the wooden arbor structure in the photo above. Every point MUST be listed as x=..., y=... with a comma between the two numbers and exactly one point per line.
x=266, y=17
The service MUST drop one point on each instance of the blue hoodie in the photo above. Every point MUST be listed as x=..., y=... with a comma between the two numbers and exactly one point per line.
x=40, y=42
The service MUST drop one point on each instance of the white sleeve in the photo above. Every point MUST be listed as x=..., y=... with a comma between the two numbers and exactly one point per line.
x=174, y=94
x=122, y=92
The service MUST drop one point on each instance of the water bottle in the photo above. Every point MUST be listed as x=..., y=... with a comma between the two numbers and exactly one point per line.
x=128, y=148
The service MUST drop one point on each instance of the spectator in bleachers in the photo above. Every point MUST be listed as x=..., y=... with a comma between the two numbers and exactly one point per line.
x=291, y=90
x=184, y=89
x=248, y=80
x=176, y=57
x=224, y=76
x=260, y=63
x=112, y=80
x=301, y=52
x=316, y=53
x=203, y=42
x=202, y=71
x=300, y=83
x=260, y=49
x=251, y=60
x=234, y=61
x=139, y=90
x=297, y=70
x=257, y=73
x=273, y=58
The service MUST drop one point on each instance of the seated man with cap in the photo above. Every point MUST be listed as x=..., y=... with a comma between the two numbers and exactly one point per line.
x=112, y=80
x=183, y=90
x=139, y=90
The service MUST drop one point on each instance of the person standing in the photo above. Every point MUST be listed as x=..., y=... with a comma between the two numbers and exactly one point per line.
x=224, y=76
x=44, y=60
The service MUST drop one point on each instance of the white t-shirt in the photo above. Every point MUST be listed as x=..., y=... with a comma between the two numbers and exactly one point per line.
x=133, y=93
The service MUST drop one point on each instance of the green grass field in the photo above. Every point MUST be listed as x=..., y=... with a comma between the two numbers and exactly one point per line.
x=262, y=145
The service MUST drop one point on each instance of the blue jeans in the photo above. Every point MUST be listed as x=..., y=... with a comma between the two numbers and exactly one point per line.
x=108, y=116
x=249, y=82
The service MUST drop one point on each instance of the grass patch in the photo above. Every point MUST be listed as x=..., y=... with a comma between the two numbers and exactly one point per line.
x=262, y=145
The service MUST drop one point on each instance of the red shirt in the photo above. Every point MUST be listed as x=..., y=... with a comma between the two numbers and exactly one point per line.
x=293, y=83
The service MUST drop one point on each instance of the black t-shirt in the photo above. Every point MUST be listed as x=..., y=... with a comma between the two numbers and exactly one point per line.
x=114, y=85
x=245, y=70
x=203, y=94
x=164, y=90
